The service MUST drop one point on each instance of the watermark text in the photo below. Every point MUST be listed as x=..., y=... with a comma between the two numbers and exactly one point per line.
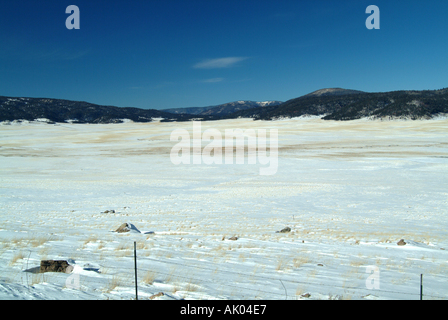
x=373, y=21
x=73, y=21
x=188, y=150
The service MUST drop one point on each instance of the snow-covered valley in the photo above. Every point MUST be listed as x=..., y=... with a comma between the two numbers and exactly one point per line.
x=348, y=191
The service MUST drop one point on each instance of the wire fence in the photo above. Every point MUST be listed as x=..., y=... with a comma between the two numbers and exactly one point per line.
x=269, y=284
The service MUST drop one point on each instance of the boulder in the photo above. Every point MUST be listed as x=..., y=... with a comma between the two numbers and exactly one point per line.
x=401, y=243
x=285, y=230
x=125, y=227
x=128, y=227
x=55, y=266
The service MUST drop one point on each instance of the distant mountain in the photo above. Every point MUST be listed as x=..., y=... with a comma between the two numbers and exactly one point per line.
x=340, y=104
x=331, y=92
x=330, y=104
x=57, y=110
x=223, y=109
x=191, y=110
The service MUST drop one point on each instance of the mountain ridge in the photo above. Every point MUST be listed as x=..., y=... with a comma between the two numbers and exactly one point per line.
x=223, y=109
x=330, y=104
x=61, y=110
x=409, y=104
x=331, y=92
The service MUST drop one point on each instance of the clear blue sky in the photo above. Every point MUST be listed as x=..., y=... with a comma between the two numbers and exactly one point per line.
x=186, y=53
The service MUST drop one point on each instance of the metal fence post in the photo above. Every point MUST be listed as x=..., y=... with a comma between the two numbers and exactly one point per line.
x=135, y=267
x=421, y=286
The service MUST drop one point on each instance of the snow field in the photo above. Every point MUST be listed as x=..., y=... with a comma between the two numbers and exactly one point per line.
x=348, y=191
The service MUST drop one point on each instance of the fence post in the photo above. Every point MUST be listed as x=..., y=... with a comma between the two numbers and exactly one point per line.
x=421, y=286
x=135, y=267
x=27, y=271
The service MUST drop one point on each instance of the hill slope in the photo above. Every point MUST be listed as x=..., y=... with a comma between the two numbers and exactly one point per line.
x=331, y=92
x=58, y=110
x=350, y=106
x=331, y=104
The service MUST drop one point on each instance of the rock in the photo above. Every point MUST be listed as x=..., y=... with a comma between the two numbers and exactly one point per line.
x=69, y=269
x=90, y=267
x=160, y=294
x=285, y=230
x=129, y=227
x=125, y=227
x=55, y=266
x=401, y=243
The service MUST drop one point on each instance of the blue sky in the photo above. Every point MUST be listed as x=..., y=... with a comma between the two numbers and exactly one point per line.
x=168, y=54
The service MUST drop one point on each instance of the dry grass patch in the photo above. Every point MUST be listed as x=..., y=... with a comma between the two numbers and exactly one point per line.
x=91, y=238
x=18, y=256
x=141, y=245
x=281, y=264
x=41, y=240
x=401, y=280
x=123, y=246
x=357, y=263
x=32, y=241
x=101, y=245
x=191, y=287
x=149, y=277
x=124, y=249
x=300, y=261
x=299, y=291
x=115, y=282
